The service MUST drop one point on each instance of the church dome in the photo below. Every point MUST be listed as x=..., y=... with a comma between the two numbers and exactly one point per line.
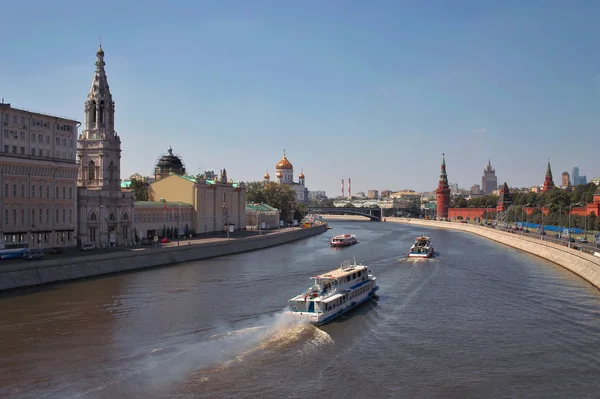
x=267, y=177
x=284, y=163
x=168, y=163
x=279, y=175
x=301, y=175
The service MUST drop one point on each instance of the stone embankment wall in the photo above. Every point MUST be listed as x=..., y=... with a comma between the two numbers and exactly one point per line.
x=31, y=273
x=580, y=263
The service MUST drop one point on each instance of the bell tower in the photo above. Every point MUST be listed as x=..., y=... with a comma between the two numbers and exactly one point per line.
x=99, y=146
x=443, y=193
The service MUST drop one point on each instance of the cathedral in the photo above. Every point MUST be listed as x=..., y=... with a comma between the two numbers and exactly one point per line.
x=284, y=172
x=105, y=211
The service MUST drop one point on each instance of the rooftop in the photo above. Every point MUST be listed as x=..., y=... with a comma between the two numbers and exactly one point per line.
x=161, y=204
x=260, y=208
x=345, y=270
x=6, y=106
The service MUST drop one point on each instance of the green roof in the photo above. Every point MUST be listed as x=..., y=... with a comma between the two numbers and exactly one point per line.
x=161, y=204
x=260, y=208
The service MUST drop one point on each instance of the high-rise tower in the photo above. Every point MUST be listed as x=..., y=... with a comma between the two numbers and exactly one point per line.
x=489, y=181
x=443, y=192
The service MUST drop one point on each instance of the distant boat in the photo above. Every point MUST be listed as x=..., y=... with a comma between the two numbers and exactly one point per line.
x=343, y=240
x=422, y=248
x=333, y=294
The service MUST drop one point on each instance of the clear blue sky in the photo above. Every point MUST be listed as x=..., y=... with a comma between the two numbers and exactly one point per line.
x=372, y=90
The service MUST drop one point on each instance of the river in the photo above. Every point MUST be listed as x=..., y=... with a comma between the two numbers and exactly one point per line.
x=478, y=320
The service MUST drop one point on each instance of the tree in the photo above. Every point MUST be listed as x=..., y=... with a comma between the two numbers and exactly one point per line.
x=280, y=196
x=140, y=190
x=460, y=202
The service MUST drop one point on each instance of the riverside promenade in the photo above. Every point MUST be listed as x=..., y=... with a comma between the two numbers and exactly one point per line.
x=72, y=265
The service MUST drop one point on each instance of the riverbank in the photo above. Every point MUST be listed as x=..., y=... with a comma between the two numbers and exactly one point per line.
x=32, y=273
x=584, y=265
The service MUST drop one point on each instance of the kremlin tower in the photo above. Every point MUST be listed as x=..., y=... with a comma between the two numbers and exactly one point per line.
x=548, y=182
x=443, y=193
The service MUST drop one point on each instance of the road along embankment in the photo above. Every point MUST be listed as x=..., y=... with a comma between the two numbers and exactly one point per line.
x=32, y=273
x=584, y=265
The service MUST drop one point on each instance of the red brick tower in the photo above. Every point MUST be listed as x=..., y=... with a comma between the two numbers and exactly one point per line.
x=443, y=193
x=504, y=200
x=548, y=182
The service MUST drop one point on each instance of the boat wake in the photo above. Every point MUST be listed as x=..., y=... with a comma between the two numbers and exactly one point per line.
x=417, y=260
x=162, y=366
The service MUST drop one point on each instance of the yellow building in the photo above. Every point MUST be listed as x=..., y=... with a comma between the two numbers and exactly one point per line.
x=162, y=219
x=215, y=201
x=38, y=176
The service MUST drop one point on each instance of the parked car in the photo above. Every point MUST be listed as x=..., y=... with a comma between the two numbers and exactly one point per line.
x=583, y=240
x=165, y=240
x=55, y=251
x=88, y=247
x=34, y=254
x=146, y=241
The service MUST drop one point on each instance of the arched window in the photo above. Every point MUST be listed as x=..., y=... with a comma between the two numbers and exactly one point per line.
x=101, y=112
x=41, y=192
x=112, y=217
x=125, y=216
x=71, y=192
x=111, y=172
x=93, y=111
x=93, y=216
x=64, y=192
x=56, y=194
x=70, y=215
x=14, y=217
x=91, y=171
x=57, y=216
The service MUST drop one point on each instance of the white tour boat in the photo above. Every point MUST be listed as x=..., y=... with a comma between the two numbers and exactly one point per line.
x=422, y=248
x=333, y=294
x=343, y=240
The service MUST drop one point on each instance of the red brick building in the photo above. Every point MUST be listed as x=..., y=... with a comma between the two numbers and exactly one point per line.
x=548, y=181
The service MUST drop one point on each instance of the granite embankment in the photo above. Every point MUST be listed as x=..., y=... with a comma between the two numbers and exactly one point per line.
x=32, y=273
x=585, y=265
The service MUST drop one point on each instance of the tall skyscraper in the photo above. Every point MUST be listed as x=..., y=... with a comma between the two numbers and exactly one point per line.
x=489, y=181
x=575, y=176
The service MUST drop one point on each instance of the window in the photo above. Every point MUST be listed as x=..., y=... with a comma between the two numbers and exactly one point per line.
x=47, y=139
x=64, y=220
x=41, y=192
x=6, y=216
x=40, y=214
x=33, y=137
x=57, y=140
x=70, y=215
x=70, y=192
x=93, y=216
x=91, y=171
x=32, y=191
x=33, y=151
x=124, y=232
x=92, y=234
x=41, y=138
x=22, y=217
x=6, y=190
x=32, y=217
x=111, y=172
x=93, y=111
x=22, y=150
x=112, y=217
x=14, y=150
x=22, y=135
x=41, y=152
x=47, y=216
x=23, y=190
x=101, y=112
x=14, y=190
x=64, y=141
x=64, y=192
x=57, y=216
x=6, y=148
x=56, y=194
x=14, y=217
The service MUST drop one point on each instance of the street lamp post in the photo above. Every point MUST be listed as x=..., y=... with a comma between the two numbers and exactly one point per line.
x=569, y=229
x=177, y=220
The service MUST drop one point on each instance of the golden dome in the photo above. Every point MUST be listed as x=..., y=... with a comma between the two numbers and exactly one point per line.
x=284, y=163
x=279, y=175
x=267, y=177
x=301, y=175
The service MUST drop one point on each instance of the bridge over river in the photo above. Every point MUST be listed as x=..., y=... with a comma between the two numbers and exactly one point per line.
x=371, y=213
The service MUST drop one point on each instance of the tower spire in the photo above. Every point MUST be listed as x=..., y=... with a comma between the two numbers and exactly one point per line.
x=443, y=193
x=548, y=180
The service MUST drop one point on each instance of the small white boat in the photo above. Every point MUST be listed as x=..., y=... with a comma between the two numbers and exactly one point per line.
x=343, y=240
x=333, y=294
x=422, y=248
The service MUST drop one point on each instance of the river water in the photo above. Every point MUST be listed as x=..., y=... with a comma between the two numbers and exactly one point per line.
x=479, y=320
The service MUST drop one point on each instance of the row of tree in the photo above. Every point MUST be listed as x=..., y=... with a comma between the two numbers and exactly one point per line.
x=559, y=217
x=555, y=198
